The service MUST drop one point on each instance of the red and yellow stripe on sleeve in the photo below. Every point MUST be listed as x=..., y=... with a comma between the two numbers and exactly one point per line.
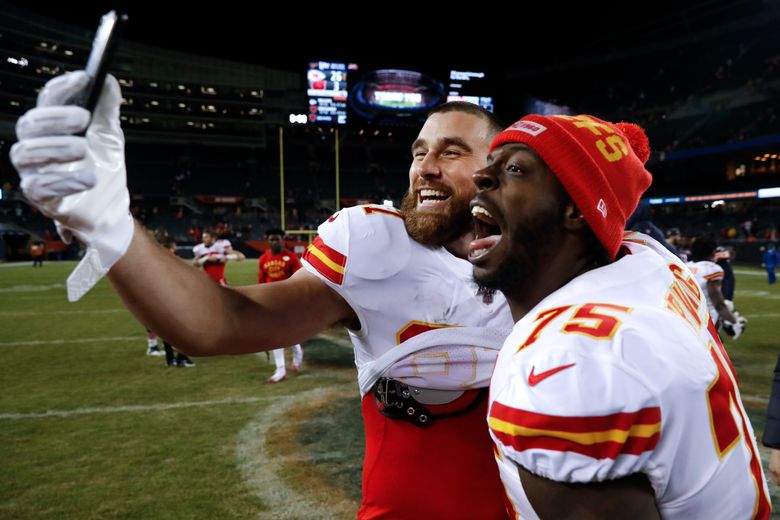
x=327, y=261
x=714, y=276
x=599, y=437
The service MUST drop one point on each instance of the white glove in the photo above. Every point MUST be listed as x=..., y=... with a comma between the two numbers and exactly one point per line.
x=736, y=328
x=78, y=181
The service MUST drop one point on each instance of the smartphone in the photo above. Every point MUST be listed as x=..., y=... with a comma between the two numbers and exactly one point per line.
x=103, y=47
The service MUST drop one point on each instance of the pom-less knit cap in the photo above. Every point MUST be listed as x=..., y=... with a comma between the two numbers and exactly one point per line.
x=600, y=164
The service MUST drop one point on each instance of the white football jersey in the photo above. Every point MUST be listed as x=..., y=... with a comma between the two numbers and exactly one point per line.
x=399, y=289
x=621, y=371
x=705, y=272
x=215, y=251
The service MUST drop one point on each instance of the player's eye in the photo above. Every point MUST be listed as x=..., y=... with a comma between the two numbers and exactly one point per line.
x=514, y=169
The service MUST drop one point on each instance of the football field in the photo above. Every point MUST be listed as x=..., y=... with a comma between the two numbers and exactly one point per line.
x=92, y=428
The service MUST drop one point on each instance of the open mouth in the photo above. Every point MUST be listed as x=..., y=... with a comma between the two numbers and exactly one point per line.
x=428, y=197
x=487, y=233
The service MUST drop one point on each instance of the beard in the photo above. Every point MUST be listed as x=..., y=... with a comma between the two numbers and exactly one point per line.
x=533, y=243
x=437, y=228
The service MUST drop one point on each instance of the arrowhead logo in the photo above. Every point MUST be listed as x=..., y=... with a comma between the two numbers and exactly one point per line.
x=535, y=379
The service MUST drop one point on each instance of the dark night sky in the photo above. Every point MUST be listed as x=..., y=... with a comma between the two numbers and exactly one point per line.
x=404, y=33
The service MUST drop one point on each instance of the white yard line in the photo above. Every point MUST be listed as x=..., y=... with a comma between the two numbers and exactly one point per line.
x=32, y=288
x=129, y=408
x=62, y=296
x=4, y=314
x=68, y=341
x=757, y=294
x=261, y=469
x=28, y=263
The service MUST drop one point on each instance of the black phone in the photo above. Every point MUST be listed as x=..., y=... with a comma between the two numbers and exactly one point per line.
x=103, y=47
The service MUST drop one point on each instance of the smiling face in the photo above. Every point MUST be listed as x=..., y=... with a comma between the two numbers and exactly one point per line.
x=518, y=217
x=450, y=147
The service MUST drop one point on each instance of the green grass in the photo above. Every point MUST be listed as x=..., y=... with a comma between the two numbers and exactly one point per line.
x=755, y=353
x=90, y=427
x=350, y=444
x=97, y=429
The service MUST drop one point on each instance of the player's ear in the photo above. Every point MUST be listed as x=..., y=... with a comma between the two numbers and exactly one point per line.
x=573, y=219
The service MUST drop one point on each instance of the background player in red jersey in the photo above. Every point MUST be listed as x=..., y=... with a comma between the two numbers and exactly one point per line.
x=276, y=264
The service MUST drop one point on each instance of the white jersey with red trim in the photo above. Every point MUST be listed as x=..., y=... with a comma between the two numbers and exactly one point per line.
x=225, y=244
x=705, y=272
x=399, y=288
x=620, y=372
x=215, y=251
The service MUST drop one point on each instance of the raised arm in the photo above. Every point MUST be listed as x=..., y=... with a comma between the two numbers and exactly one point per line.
x=79, y=182
x=203, y=318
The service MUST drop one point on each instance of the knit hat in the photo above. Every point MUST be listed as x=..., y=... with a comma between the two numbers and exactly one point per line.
x=600, y=164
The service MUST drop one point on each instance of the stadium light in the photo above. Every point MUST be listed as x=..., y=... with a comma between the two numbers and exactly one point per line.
x=387, y=202
x=298, y=119
x=22, y=62
x=768, y=193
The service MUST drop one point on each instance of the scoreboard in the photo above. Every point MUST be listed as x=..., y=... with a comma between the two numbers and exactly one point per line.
x=327, y=91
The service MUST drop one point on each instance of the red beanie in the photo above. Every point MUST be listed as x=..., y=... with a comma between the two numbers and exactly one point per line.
x=600, y=164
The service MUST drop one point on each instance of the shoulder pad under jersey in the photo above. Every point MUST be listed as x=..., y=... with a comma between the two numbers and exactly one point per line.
x=544, y=423
x=372, y=237
x=633, y=240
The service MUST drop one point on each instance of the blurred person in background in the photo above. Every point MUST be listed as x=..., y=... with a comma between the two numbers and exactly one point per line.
x=276, y=264
x=723, y=257
x=641, y=221
x=37, y=252
x=771, y=438
x=173, y=358
x=213, y=254
x=709, y=276
x=673, y=237
x=770, y=260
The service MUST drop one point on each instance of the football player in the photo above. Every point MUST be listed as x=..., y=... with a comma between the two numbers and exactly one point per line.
x=425, y=335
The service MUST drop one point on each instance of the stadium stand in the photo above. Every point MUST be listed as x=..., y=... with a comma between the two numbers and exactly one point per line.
x=203, y=134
